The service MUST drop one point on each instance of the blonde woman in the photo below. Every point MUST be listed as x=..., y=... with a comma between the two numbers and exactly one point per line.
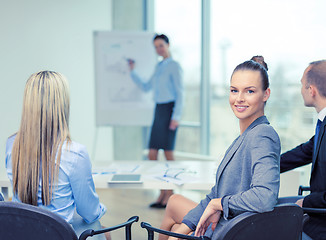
x=46, y=168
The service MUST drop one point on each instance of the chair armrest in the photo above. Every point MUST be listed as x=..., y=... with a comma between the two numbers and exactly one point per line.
x=303, y=189
x=321, y=211
x=151, y=230
x=127, y=225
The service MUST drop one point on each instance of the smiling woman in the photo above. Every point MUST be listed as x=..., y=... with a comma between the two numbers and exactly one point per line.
x=248, y=177
x=249, y=91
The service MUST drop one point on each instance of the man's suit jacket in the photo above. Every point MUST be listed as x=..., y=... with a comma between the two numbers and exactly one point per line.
x=305, y=154
x=247, y=179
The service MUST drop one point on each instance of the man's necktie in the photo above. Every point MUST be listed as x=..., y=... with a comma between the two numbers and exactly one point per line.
x=317, y=134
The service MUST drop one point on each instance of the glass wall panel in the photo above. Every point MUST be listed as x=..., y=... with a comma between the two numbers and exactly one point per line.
x=181, y=22
x=289, y=34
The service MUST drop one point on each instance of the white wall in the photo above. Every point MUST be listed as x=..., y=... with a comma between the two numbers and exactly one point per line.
x=52, y=35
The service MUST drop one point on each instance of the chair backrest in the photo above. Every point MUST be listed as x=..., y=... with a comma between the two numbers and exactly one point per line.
x=23, y=221
x=283, y=223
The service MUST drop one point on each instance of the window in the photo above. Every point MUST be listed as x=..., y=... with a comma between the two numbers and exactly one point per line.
x=181, y=22
x=289, y=34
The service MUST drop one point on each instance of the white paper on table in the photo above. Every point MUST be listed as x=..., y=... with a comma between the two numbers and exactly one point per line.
x=176, y=173
x=160, y=168
x=180, y=180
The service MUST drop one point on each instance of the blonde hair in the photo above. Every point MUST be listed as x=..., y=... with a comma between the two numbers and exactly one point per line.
x=43, y=130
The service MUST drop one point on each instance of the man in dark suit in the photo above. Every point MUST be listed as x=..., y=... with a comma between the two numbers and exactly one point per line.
x=314, y=151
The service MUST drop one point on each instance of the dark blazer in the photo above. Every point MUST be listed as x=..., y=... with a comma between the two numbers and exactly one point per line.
x=305, y=154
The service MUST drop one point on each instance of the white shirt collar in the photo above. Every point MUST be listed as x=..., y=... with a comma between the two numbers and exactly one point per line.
x=322, y=114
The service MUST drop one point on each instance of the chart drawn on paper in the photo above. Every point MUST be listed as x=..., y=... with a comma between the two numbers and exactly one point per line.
x=119, y=101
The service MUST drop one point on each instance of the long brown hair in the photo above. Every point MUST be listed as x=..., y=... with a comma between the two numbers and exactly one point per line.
x=43, y=130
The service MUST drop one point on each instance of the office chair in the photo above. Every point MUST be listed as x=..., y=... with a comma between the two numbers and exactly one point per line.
x=151, y=230
x=319, y=211
x=283, y=223
x=306, y=211
x=23, y=221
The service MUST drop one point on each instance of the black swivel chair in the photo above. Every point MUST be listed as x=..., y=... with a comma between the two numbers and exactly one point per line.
x=306, y=211
x=319, y=211
x=283, y=223
x=151, y=230
x=23, y=221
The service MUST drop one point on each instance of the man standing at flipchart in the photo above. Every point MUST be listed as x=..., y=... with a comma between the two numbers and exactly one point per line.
x=167, y=85
x=314, y=151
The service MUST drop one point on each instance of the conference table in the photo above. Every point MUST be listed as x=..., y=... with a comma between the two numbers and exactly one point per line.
x=191, y=175
x=185, y=175
x=4, y=182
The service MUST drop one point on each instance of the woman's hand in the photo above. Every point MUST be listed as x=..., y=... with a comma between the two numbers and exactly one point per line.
x=299, y=202
x=173, y=125
x=131, y=64
x=211, y=215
